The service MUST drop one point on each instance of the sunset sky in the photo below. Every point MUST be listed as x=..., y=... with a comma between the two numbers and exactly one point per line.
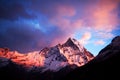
x=28, y=25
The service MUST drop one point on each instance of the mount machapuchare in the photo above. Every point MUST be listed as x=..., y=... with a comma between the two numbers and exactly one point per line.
x=47, y=64
x=105, y=66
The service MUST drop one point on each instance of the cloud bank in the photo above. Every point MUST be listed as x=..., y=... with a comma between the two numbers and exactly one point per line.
x=27, y=26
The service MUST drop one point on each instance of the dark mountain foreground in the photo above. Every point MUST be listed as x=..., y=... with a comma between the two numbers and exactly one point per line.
x=105, y=66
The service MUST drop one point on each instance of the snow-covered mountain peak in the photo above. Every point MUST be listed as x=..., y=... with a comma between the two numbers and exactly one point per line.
x=74, y=44
x=70, y=42
x=52, y=58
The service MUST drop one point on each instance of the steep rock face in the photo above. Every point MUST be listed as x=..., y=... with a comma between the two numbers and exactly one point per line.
x=53, y=58
x=75, y=52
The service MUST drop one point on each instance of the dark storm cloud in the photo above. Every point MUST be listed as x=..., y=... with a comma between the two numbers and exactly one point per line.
x=24, y=37
x=19, y=38
x=18, y=33
x=14, y=9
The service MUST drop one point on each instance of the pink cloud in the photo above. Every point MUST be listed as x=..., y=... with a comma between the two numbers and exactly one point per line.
x=58, y=20
x=65, y=10
x=85, y=38
x=101, y=17
x=104, y=35
x=99, y=42
x=104, y=17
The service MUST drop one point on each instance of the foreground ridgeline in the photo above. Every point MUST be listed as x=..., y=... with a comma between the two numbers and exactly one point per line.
x=49, y=62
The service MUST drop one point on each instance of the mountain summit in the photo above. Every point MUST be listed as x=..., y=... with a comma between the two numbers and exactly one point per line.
x=106, y=65
x=53, y=58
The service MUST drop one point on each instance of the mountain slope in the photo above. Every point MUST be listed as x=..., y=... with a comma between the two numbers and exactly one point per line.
x=57, y=60
x=104, y=66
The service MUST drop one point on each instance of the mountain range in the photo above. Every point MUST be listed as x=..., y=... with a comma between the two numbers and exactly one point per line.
x=48, y=60
x=70, y=61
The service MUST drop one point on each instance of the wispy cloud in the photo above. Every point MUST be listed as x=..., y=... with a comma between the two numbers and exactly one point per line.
x=85, y=38
x=99, y=42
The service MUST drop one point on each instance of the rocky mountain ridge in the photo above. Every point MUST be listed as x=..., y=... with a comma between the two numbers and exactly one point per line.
x=53, y=58
x=104, y=66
